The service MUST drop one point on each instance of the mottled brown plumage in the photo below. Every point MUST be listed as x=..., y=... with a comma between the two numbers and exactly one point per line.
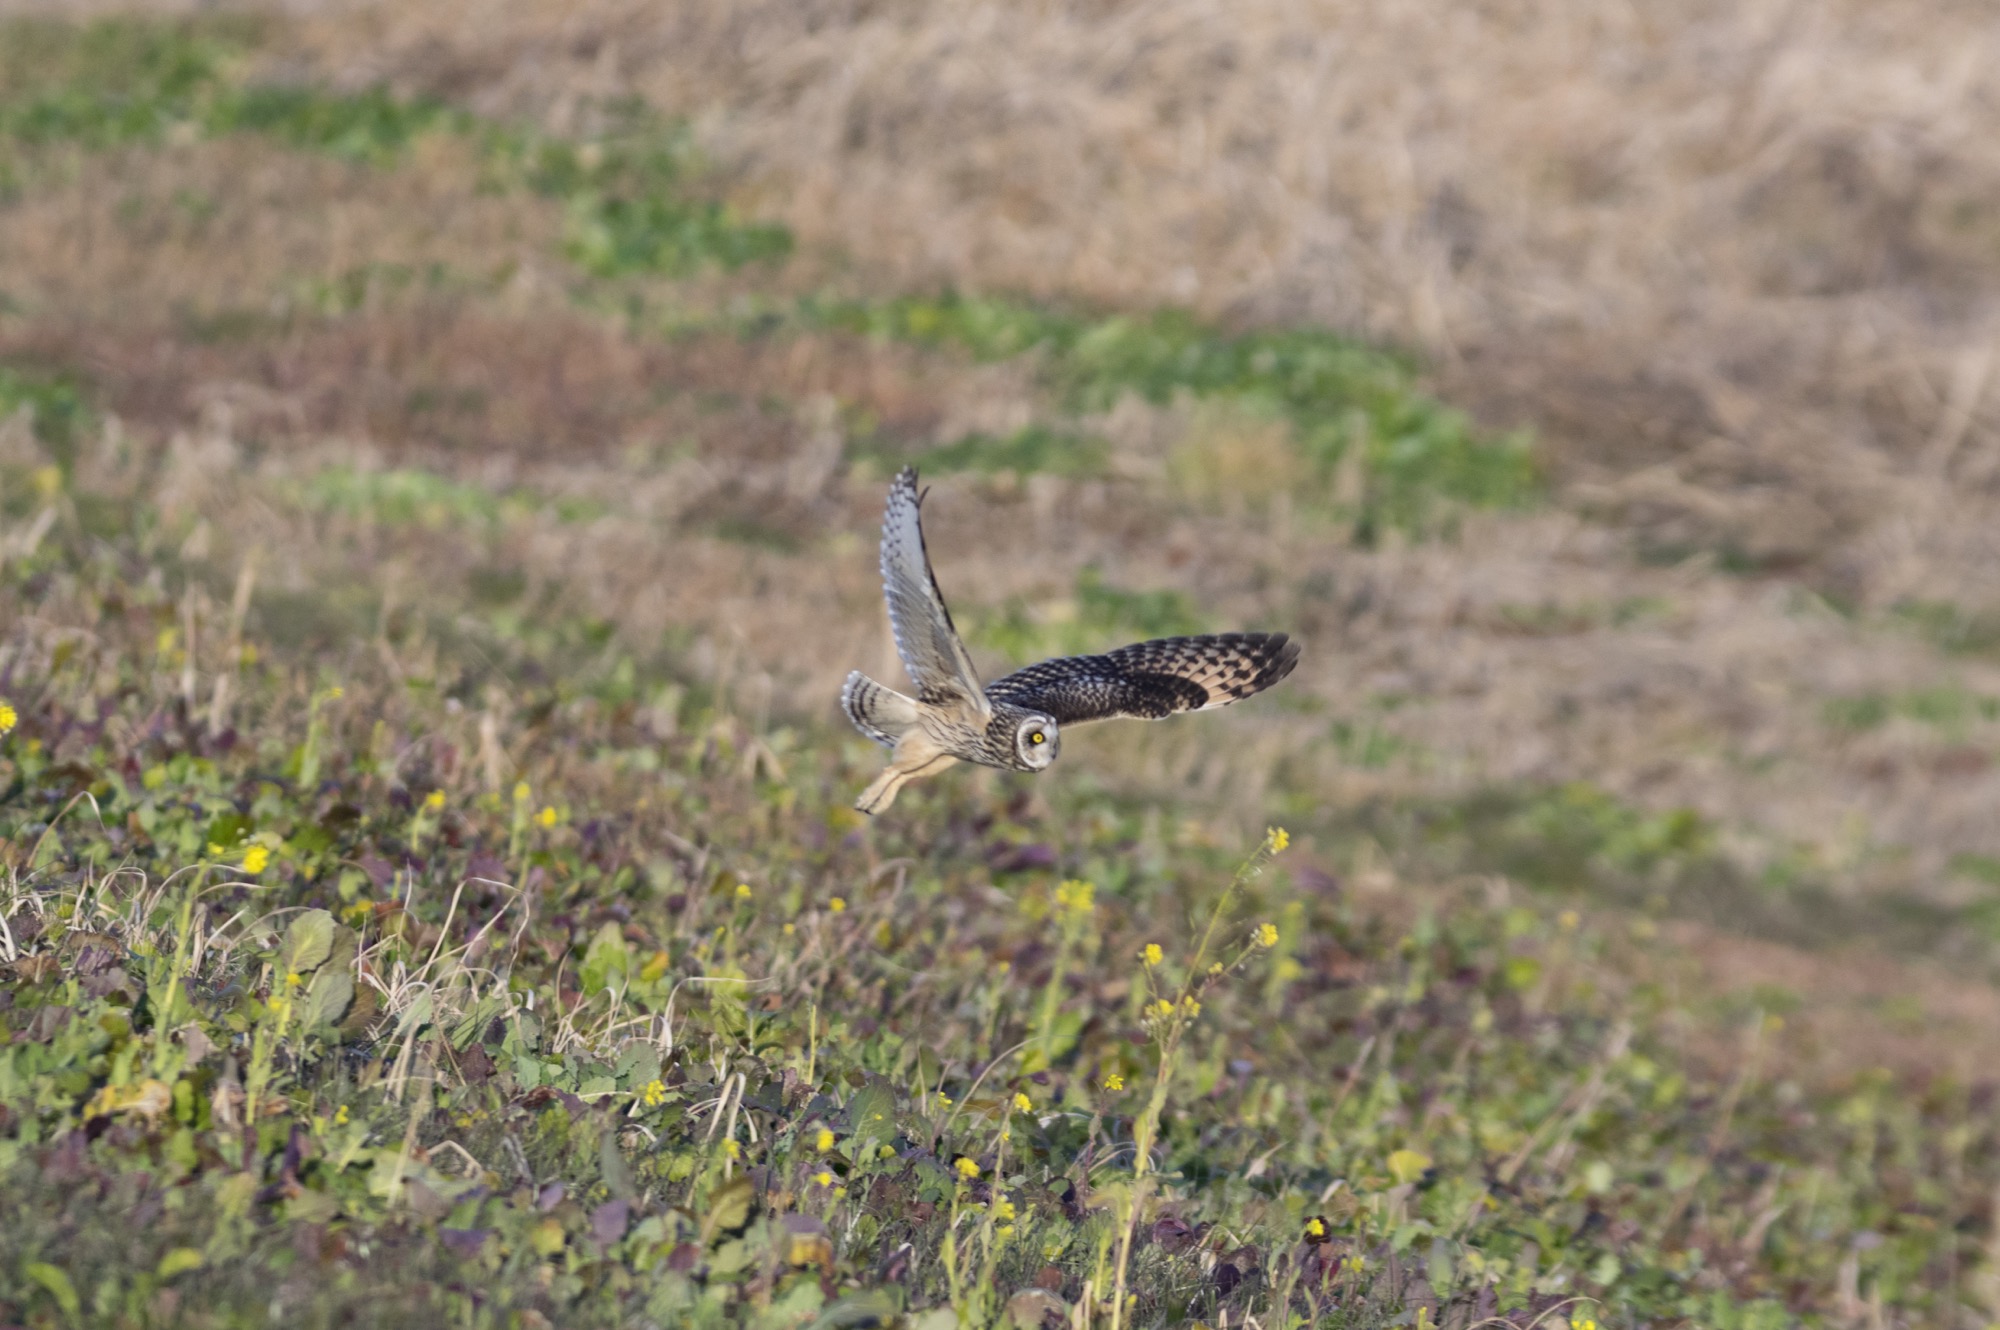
x=1014, y=723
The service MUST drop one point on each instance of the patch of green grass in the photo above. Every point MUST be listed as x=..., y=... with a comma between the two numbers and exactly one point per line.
x=632, y=193
x=1952, y=627
x=1095, y=617
x=409, y=496
x=1946, y=707
x=1418, y=457
x=1030, y=450
x=58, y=414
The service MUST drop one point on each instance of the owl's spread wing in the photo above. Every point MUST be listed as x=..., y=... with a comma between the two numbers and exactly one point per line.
x=925, y=638
x=1149, y=680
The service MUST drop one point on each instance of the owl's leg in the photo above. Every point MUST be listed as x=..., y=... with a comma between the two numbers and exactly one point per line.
x=917, y=755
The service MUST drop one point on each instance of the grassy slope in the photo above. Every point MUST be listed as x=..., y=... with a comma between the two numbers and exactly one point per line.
x=589, y=953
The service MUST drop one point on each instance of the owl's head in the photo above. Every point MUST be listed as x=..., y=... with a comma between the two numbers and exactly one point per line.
x=1036, y=741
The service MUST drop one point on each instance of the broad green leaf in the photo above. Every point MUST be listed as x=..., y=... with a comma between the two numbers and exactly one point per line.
x=728, y=1208
x=1408, y=1165
x=177, y=1261
x=327, y=1000
x=56, y=1282
x=606, y=959
x=308, y=942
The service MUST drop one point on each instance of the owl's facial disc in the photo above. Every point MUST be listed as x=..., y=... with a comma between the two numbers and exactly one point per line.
x=1036, y=742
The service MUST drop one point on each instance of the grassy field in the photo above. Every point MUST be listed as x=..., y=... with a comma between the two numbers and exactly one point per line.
x=439, y=470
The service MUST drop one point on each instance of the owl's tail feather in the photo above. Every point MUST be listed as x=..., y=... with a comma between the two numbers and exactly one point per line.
x=883, y=714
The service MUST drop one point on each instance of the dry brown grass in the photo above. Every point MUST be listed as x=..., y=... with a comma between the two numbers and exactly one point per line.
x=1736, y=260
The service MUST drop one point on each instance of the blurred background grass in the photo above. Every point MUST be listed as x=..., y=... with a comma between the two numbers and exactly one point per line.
x=1603, y=396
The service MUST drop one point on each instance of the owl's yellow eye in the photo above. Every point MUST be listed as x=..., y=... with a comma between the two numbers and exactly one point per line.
x=1035, y=738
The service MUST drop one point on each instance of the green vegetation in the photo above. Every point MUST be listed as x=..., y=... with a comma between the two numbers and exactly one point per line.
x=1029, y=450
x=117, y=82
x=1337, y=395
x=1096, y=617
x=1946, y=707
x=389, y=934
x=336, y=1010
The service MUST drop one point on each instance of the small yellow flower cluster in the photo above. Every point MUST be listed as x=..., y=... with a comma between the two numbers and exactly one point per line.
x=734, y=1149
x=1076, y=897
x=824, y=1141
x=1152, y=955
x=340, y=1116
x=1114, y=1082
x=547, y=817
x=1583, y=1323
x=837, y=904
x=256, y=859
x=743, y=891
x=1267, y=935
x=1315, y=1228
x=944, y=1100
x=1277, y=838
x=823, y=1178
x=1160, y=1010
x=1190, y=1006
x=434, y=801
x=9, y=717
x=295, y=980
x=966, y=1168
x=654, y=1094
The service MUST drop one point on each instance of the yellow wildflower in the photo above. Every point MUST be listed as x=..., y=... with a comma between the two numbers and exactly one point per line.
x=521, y=792
x=791, y=929
x=340, y=1116
x=733, y=1149
x=823, y=1178
x=743, y=891
x=837, y=904
x=214, y=851
x=1114, y=1082
x=824, y=1141
x=1162, y=1009
x=654, y=1094
x=1277, y=838
x=1152, y=955
x=1003, y=1208
x=335, y=693
x=434, y=800
x=1192, y=1007
x=256, y=859
x=1267, y=935
x=1583, y=1323
x=9, y=717
x=966, y=1168
x=944, y=1100
x=1023, y=1104
x=1216, y=968
x=294, y=980
x=1315, y=1228
x=1076, y=896
x=547, y=817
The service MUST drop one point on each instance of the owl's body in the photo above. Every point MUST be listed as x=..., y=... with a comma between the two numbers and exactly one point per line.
x=1014, y=722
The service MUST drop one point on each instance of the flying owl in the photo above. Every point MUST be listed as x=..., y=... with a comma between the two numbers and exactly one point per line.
x=1015, y=723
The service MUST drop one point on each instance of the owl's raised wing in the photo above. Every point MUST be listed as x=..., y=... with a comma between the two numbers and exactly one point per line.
x=1151, y=680
x=925, y=638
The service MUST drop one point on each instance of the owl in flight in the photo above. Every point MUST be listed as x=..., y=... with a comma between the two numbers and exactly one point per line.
x=1015, y=723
